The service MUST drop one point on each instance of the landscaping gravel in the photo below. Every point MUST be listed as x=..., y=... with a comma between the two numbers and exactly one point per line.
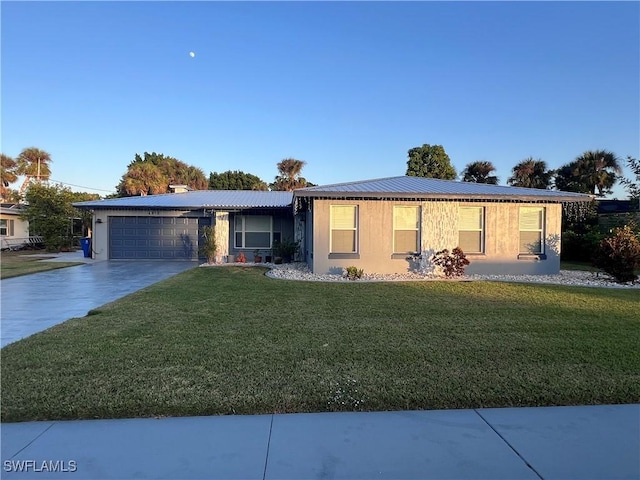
x=300, y=271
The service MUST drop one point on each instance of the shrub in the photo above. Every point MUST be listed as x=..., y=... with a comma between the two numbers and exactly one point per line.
x=209, y=247
x=452, y=263
x=286, y=249
x=353, y=273
x=580, y=247
x=619, y=254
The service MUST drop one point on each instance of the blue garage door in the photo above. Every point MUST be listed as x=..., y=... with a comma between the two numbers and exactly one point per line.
x=174, y=238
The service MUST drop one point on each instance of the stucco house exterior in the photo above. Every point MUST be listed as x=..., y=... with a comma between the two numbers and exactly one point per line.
x=389, y=225
x=14, y=231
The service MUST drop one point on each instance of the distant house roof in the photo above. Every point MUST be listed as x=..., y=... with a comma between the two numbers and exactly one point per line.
x=615, y=206
x=11, y=209
x=197, y=199
x=430, y=188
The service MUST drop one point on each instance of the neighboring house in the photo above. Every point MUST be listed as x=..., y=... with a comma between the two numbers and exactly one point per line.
x=615, y=213
x=14, y=231
x=389, y=225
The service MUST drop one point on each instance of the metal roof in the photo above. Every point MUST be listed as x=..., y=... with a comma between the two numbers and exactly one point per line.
x=431, y=188
x=197, y=199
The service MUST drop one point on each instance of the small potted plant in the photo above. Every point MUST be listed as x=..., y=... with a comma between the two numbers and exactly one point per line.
x=241, y=258
x=257, y=258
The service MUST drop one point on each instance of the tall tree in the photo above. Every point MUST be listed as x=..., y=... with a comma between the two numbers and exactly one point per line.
x=289, y=178
x=430, y=161
x=633, y=186
x=143, y=179
x=8, y=175
x=593, y=172
x=155, y=168
x=480, y=172
x=33, y=164
x=531, y=173
x=50, y=213
x=235, y=180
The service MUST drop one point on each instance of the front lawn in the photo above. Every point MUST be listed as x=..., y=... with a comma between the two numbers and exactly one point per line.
x=229, y=340
x=14, y=264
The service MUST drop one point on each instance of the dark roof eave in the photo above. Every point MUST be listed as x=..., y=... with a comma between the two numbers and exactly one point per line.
x=179, y=207
x=443, y=196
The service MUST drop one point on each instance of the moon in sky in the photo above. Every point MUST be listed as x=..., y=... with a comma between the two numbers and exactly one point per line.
x=192, y=54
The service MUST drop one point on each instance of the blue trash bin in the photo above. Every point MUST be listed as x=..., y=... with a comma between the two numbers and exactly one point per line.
x=86, y=246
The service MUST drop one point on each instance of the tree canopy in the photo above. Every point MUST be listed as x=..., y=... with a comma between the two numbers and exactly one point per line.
x=235, y=180
x=153, y=173
x=8, y=175
x=480, y=172
x=289, y=177
x=593, y=172
x=633, y=185
x=50, y=212
x=531, y=173
x=33, y=164
x=430, y=161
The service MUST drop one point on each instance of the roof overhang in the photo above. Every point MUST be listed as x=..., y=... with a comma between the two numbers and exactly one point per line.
x=412, y=196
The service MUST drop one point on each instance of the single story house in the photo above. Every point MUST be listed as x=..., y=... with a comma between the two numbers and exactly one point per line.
x=388, y=225
x=14, y=231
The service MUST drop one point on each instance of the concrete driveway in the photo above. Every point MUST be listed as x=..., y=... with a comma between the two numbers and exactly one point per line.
x=33, y=303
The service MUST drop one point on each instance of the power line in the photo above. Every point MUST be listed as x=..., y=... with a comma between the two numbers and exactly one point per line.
x=81, y=186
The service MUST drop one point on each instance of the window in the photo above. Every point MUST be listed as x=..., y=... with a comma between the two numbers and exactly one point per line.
x=253, y=231
x=471, y=229
x=6, y=228
x=344, y=229
x=532, y=230
x=406, y=229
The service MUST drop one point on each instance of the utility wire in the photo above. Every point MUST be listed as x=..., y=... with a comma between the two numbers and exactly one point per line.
x=81, y=186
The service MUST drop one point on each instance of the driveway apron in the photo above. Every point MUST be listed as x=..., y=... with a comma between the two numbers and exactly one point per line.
x=32, y=303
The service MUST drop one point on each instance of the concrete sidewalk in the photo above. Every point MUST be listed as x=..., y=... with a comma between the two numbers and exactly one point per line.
x=591, y=442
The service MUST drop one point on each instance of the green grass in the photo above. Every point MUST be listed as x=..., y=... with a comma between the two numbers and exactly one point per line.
x=583, y=266
x=14, y=264
x=229, y=340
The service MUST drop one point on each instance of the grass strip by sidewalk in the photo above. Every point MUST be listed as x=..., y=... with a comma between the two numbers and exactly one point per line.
x=229, y=340
x=15, y=264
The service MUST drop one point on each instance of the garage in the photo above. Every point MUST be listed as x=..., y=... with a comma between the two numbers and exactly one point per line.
x=170, y=238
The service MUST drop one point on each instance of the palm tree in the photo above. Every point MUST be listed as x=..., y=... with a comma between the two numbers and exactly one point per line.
x=593, y=171
x=480, y=172
x=289, y=178
x=530, y=173
x=33, y=164
x=8, y=167
x=194, y=177
x=143, y=178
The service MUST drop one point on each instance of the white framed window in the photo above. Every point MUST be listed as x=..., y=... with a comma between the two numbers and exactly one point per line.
x=471, y=229
x=344, y=229
x=532, y=230
x=406, y=229
x=6, y=228
x=253, y=231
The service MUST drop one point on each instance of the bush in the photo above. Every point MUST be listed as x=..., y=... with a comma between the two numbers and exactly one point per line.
x=452, y=263
x=580, y=247
x=353, y=273
x=619, y=254
x=209, y=248
x=286, y=249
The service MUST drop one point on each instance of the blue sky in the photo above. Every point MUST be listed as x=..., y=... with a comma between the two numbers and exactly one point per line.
x=346, y=87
